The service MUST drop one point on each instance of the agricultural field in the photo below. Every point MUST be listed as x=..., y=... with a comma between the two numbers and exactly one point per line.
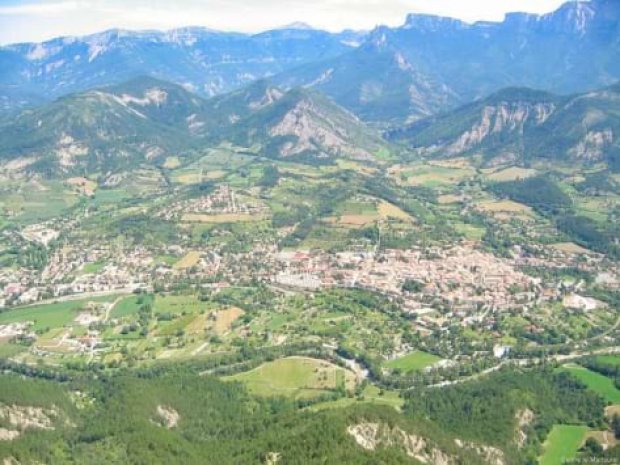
x=8, y=350
x=36, y=201
x=415, y=361
x=54, y=315
x=598, y=383
x=174, y=326
x=370, y=395
x=177, y=304
x=570, y=247
x=562, y=444
x=353, y=221
x=356, y=166
x=436, y=175
x=224, y=319
x=506, y=209
x=110, y=197
x=469, y=231
x=129, y=306
x=93, y=268
x=596, y=208
x=447, y=199
x=83, y=186
x=222, y=218
x=141, y=182
x=296, y=377
x=390, y=211
x=509, y=174
x=189, y=260
x=196, y=176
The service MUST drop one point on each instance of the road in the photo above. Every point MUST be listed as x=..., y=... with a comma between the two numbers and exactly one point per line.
x=527, y=362
x=83, y=296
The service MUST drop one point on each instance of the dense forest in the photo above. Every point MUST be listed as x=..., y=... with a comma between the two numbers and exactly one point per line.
x=116, y=418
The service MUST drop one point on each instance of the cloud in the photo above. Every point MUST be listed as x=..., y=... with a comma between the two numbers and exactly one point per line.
x=40, y=19
x=43, y=8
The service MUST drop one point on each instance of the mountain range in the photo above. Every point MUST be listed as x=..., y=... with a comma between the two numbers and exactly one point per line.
x=437, y=86
x=431, y=64
x=388, y=76
x=517, y=125
x=202, y=60
x=146, y=120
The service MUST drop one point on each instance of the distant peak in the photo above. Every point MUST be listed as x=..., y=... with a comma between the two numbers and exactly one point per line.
x=298, y=25
x=431, y=22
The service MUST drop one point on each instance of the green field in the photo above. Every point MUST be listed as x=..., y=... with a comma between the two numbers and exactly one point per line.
x=598, y=383
x=53, y=315
x=93, y=267
x=562, y=444
x=178, y=304
x=433, y=175
x=415, y=361
x=471, y=232
x=130, y=306
x=613, y=360
x=178, y=324
x=38, y=201
x=8, y=350
x=370, y=395
x=295, y=377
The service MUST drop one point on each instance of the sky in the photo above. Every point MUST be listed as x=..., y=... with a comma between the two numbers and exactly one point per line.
x=37, y=20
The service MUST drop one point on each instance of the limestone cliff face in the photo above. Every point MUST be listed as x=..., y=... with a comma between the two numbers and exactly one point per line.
x=522, y=124
x=505, y=117
x=372, y=435
x=313, y=130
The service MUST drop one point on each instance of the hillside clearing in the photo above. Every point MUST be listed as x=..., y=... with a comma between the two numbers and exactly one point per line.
x=511, y=174
x=598, y=383
x=415, y=361
x=562, y=444
x=296, y=377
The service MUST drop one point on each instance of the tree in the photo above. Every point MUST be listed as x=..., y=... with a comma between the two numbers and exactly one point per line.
x=593, y=447
x=411, y=285
x=615, y=425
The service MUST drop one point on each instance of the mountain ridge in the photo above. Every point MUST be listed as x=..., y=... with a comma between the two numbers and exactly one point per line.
x=210, y=62
x=383, y=76
x=520, y=124
x=573, y=49
x=146, y=120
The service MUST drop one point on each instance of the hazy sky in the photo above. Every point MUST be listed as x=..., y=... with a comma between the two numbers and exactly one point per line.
x=35, y=20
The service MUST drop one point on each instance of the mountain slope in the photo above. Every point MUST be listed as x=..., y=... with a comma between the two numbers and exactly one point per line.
x=146, y=120
x=207, y=62
x=376, y=82
x=108, y=128
x=306, y=125
x=523, y=124
x=433, y=63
